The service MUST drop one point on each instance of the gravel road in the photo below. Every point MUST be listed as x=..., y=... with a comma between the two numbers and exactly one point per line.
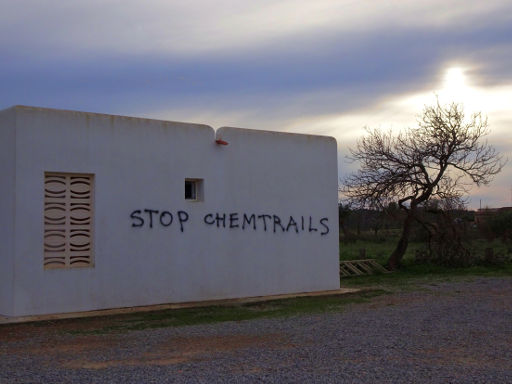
x=454, y=332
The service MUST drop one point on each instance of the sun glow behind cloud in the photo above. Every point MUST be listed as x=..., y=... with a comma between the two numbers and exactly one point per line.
x=457, y=86
x=455, y=81
x=399, y=112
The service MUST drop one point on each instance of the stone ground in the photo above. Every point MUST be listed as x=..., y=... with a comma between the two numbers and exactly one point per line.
x=451, y=332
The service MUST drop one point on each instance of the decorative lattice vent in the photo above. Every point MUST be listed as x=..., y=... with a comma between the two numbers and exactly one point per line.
x=68, y=216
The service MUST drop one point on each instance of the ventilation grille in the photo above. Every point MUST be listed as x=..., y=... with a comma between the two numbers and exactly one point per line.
x=68, y=215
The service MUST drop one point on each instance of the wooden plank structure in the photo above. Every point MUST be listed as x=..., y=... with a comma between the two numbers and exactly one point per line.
x=361, y=267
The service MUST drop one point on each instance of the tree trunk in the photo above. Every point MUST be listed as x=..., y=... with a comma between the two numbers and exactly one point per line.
x=399, y=252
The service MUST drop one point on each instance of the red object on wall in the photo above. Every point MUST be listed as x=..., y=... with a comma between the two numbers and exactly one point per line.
x=221, y=142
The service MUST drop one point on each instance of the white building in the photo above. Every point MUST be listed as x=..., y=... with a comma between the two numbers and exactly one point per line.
x=102, y=211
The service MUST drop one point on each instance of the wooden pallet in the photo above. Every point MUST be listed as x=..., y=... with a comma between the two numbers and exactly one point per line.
x=361, y=267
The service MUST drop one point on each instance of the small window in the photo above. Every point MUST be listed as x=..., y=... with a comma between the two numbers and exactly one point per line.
x=194, y=189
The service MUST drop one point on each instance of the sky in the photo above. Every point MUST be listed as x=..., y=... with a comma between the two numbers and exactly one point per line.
x=323, y=67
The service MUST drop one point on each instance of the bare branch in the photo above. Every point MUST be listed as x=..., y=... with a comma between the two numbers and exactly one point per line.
x=440, y=159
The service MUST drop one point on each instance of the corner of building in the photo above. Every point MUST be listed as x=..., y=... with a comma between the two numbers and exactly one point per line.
x=7, y=207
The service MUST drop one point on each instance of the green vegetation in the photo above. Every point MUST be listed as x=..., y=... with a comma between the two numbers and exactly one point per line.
x=381, y=247
x=215, y=314
x=413, y=275
x=501, y=226
x=419, y=276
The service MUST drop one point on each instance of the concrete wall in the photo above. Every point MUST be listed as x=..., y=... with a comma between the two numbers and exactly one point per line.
x=141, y=164
x=7, y=203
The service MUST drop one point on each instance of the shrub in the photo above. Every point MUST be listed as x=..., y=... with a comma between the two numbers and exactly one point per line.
x=501, y=226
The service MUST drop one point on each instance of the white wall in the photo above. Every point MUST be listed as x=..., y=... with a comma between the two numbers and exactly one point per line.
x=141, y=164
x=7, y=201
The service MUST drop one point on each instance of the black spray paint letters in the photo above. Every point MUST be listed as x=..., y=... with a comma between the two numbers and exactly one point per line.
x=266, y=222
x=153, y=217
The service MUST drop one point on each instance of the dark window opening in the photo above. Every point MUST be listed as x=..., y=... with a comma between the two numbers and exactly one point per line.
x=194, y=189
x=190, y=190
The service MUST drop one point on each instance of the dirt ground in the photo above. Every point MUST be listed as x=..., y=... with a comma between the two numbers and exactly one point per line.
x=451, y=332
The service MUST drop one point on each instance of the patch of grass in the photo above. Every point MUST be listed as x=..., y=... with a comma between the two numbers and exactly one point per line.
x=216, y=314
x=479, y=246
x=378, y=250
x=412, y=276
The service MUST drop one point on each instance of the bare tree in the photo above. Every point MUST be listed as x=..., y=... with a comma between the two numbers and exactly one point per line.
x=439, y=158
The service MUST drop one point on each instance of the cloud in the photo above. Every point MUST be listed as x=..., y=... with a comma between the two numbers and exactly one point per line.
x=401, y=111
x=341, y=57
x=327, y=67
x=218, y=27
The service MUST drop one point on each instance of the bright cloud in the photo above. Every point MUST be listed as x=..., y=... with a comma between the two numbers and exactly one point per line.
x=401, y=112
x=206, y=26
